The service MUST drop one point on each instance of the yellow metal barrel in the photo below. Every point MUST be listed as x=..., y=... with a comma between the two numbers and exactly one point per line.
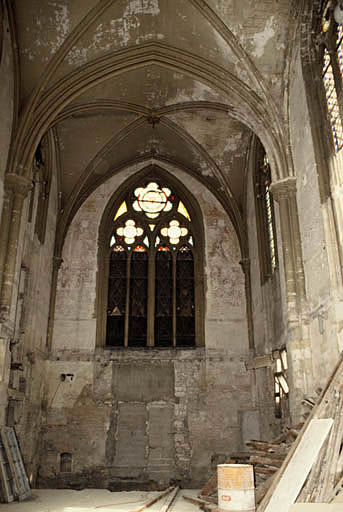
x=236, y=490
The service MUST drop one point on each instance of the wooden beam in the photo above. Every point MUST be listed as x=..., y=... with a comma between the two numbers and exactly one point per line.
x=299, y=466
x=170, y=500
x=259, y=362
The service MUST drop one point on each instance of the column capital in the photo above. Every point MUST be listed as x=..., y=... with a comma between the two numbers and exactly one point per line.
x=17, y=184
x=284, y=189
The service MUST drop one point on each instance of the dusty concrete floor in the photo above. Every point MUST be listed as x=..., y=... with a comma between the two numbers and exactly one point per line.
x=95, y=500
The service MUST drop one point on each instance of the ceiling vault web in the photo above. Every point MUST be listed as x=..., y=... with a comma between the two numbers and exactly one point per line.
x=162, y=99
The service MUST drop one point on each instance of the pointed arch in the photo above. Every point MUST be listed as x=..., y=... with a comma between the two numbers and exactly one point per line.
x=171, y=315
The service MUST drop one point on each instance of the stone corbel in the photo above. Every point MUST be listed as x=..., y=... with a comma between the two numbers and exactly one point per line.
x=284, y=192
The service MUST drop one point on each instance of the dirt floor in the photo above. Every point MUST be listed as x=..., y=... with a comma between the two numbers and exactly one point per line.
x=96, y=500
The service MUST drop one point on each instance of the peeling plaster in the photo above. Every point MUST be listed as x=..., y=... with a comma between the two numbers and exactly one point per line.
x=261, y=39
x=143, y=7
x=119, y=31
x=233, y=143
x=199, y=92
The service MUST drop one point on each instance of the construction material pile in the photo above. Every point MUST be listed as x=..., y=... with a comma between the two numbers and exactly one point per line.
x=266, y=457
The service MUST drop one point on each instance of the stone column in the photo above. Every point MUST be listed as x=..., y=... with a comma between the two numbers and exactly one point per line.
x=284, y=192
x=16, y=189
x=57, y=262
x=298, y=342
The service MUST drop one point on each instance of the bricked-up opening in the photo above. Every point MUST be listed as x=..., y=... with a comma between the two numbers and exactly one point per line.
x=66, y=462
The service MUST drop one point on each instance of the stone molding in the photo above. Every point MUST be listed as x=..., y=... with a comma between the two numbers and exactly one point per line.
x=17, y=184
x=284, y=189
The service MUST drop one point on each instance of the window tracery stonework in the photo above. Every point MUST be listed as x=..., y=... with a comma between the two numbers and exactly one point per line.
x=331, y=37
x=265, y=216
x=154, y=272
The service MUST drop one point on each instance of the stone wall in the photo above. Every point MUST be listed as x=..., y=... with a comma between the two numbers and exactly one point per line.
x=147, y=417
x=6, y=101
x=6, y=109
x=29, y=323
x=316, y=356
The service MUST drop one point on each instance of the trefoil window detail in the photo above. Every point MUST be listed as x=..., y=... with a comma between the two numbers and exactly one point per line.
x=151, y=284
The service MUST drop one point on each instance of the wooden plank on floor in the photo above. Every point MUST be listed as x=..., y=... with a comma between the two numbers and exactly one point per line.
x=16, y=464
x=299, y=466
x=170, y=500
x=8, y=491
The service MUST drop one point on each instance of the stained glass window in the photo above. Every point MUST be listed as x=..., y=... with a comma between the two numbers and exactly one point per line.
x=326, y=18
x=183, y=210
x=116, y=302
x=174, y=231
x=152, y=200
x=130, y=231
x=138, y=299
x=332, y=37
x=332, y=102
x=151, y=296
x=265, y=216
x=121, y=210
x=269, y=213
x=185, y=313
x=340, y=48
x=164, y=299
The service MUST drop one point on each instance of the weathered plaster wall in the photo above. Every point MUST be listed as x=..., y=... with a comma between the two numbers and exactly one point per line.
x=319, y=349
x=145, y=415
x=6, y=101
x=29, y=316
x=6, y=109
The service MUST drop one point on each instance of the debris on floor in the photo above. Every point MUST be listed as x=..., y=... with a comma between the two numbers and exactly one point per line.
x=313, y=449
x=265, y=457
x=324, y=479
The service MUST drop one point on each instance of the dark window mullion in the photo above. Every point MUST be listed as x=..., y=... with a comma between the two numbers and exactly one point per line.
x=151, y=296
x=127, y=306
x=174, y=298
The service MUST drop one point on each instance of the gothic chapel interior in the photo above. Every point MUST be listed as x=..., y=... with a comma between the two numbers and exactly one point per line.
x=171, y=193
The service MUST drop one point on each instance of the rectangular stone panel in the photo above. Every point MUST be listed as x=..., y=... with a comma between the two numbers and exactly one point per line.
x=131, y=437
x=161, y=439
x=143, y=383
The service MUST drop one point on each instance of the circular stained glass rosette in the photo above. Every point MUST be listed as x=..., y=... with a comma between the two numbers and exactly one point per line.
x=130, y=231
x=152, y=200
x=174, y=232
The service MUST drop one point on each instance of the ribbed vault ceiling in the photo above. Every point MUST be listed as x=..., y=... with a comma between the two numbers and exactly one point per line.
x=152, y=109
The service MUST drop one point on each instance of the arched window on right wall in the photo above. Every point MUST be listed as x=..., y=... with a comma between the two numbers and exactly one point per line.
x=265, y=215
x=332, y=70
